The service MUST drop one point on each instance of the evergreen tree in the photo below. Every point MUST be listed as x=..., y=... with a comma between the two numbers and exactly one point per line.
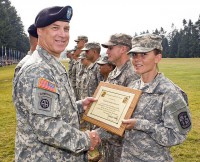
x=12, y=35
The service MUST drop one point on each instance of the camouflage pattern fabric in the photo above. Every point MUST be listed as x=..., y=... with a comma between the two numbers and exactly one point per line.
x=47, y=114
x=146, y=43
x=163, y=120
x=70, y=66
x=94, y=78
x=21, y=63
x=79, y=73
x=118, y=39
x=73, y=76
x=125, y=76
x=83, y=84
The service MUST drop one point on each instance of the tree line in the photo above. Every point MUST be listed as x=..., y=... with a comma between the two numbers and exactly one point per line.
x=184, y=42
x=13, y=40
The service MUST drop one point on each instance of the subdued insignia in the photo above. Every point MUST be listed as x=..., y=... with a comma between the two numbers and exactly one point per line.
x=44, y=103
x=46, y=84
x=184, y=120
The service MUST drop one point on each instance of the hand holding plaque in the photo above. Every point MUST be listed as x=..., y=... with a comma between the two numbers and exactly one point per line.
x=114, y=103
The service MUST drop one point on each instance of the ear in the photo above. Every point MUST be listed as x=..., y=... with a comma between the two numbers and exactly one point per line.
x=39, y=31
x=158, y=58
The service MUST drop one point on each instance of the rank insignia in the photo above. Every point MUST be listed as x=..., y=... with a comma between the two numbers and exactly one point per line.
x=46, y=84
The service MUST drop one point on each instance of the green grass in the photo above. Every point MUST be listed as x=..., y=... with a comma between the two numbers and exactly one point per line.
x=184, y=72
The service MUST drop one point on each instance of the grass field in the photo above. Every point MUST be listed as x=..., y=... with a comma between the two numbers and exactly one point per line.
x=184, y=72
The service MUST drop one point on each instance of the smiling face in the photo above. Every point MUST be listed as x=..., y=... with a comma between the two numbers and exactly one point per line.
x=146, y=63
x=54, y=38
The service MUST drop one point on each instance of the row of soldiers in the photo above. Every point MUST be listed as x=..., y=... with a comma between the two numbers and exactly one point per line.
x=87, y=68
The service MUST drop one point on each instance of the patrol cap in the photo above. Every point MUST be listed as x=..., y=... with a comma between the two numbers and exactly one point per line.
x=50, y=15
x=104, y=60
x=82, y=55
x=118, y=39
x=81, y=37
x=91, y=45
x=32, y=30
x=146, y=43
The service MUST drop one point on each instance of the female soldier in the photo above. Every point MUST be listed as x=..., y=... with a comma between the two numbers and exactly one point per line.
x=161, y=118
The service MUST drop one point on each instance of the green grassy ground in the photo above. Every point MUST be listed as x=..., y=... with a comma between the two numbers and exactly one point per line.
x=184, y=72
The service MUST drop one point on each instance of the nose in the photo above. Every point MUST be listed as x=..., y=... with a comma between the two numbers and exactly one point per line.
x=62, y=32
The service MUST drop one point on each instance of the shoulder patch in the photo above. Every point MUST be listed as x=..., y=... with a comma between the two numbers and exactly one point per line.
x=184, y=120
x=46, y=84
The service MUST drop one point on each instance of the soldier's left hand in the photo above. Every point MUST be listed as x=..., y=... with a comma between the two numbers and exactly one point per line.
x=130, y=123
x=87, y=101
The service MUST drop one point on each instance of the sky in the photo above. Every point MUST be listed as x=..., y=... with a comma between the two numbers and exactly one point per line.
x=99, y=19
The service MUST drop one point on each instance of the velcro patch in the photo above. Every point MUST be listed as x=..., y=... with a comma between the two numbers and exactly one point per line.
x=184, y=120
x=46, y=84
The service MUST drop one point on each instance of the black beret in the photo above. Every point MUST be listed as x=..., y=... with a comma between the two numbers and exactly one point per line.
x=51, y=14
x=32, y=30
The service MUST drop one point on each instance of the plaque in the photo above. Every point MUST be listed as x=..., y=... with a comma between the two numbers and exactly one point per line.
x=114, y=103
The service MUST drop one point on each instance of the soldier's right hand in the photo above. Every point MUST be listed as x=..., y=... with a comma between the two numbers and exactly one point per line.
x=94, y=138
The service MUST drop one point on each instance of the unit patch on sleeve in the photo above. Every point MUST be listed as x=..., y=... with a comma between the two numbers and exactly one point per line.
x=45, y=98
x=184, y=120
x=46, y=84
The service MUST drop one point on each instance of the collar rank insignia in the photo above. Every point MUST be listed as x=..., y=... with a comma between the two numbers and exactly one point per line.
x=46, y=84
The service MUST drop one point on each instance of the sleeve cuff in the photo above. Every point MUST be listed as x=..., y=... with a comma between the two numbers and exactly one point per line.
x=80, y=106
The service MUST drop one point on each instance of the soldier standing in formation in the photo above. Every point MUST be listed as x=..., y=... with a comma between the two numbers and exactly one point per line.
x=69, y=55
x=105, y=67
x=117, y=47
x=161, y=118
x=94, y=77
x=47, y=114
x=77, y=69
x=33, y=38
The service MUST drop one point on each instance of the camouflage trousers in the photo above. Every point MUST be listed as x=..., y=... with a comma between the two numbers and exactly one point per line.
x=111, y=152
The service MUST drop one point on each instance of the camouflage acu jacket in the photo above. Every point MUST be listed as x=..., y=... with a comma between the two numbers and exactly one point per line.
x=124, y=76
x=93, y=78
x=47, y=114
x=163, y=120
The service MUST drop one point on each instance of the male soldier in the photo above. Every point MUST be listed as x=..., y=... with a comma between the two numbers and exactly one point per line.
x=78, y=69
x=81, y=41
x=86, y=63
x=33, y=38
x=123, y=74
x=93, y=50
x=47, y=114
x=70, y=55
x=105, y=67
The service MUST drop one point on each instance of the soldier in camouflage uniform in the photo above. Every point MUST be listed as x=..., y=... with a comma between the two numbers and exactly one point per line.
x=47, y=114
x=78, y=69
x=91, y=77
x=86, y=63
x=124, y=74
x=105, y=67
x=33, y=43
x=81, y=41
x=69, y=54
x=93, y=50
x=161, y=118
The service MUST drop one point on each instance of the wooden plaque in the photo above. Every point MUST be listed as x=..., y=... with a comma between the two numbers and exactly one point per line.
x=114, y=103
